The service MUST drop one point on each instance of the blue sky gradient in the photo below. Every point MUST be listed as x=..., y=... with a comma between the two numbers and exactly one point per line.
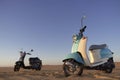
x=47, y=27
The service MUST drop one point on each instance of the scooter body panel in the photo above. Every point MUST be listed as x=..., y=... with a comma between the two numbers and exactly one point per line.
x=75, y=56
x=98, y=56
x=76, y=41
x=105, y=53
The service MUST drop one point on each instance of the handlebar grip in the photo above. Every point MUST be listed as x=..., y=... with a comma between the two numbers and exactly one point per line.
x=83, y=29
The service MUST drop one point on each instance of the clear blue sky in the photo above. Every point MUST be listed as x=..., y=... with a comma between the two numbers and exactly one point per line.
x=47, y=27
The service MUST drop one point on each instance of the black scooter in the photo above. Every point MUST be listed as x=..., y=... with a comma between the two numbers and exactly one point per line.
x=34, y=63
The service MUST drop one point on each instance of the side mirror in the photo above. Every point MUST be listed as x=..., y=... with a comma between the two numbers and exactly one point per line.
x=112, y=52
x=31, y=50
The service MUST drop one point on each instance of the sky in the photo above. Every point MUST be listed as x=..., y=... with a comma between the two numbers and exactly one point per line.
x=47, y=26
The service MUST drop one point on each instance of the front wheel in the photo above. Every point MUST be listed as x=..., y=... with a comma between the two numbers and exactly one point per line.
x=71, y=68
x=16, y=68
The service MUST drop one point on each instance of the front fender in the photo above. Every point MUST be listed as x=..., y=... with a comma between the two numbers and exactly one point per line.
x=76, y=56
x=18, y=62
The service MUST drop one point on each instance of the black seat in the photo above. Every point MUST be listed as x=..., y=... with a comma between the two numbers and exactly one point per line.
x=97, y=46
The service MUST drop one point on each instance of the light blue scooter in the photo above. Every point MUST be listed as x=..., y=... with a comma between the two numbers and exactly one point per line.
x=100, y=57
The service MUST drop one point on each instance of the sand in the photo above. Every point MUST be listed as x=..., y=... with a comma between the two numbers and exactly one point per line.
x=55, y=72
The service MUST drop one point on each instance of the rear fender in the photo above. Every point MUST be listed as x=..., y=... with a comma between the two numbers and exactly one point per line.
x=75, y=56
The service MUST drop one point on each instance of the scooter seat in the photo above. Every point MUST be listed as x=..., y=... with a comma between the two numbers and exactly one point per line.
x=92, y=47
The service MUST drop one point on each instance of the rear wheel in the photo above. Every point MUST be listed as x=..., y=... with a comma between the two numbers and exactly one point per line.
x=40, y=66
x=109, y=66
x=71, y=68
x=108, y=70
x=36, y=66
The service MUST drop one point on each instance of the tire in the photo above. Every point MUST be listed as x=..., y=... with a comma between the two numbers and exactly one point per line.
x=108, y=70
x=110, y=65
x=36, y=66
x=39, y=68
x=69, y=70
x=16, y=68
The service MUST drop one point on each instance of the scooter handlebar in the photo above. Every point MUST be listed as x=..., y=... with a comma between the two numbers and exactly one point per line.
x=29, y=53
x=83, y=29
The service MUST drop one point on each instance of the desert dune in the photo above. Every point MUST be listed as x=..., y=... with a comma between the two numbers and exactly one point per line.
x=55, y=72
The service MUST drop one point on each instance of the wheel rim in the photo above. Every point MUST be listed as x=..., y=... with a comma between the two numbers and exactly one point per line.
x=70, y=70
